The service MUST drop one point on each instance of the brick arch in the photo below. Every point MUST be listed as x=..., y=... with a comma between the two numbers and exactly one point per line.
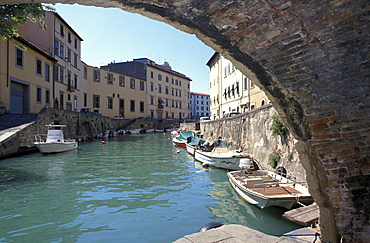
x=312, y=60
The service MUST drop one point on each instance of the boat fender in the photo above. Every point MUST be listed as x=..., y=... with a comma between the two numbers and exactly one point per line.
x=103, y=142
x=210, y=225
x=281, y=171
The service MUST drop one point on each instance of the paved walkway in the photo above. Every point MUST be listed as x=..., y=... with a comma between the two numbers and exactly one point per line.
x=242, y=234
x=6, y=133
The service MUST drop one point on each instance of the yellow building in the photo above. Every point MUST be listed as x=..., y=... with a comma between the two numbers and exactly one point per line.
x=157, y=92
x=64, y=44
x=26, y=84
x=113, y=94
x=230, y=90
x=168, y=91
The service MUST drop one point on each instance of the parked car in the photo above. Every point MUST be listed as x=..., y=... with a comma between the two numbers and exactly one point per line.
x=88, y=111
x=204, y=118
x=118, y=117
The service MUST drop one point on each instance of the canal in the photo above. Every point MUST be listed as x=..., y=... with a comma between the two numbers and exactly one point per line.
x=133, y=188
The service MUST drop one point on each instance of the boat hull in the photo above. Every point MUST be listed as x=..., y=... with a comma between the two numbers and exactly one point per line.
x=178, y=142
x=56, y=147
x=190, y=148
x=263, y=201
x=224, y=162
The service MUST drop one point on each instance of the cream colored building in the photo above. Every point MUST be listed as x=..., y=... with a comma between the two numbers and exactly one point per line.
x=230, y=90
x=113, y=94
x=26, y=84
x=64, y=44
x=168, y=91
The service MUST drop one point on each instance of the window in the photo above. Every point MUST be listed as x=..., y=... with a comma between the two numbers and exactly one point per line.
x=245, y=83
x=159, y=88
x=75, y=58
x=75, y=81
x=152, y=100
x=96, y=101
x=56, y=47
x=151, y=75
x=69, y=80
x=47, y=72
x=85, y=72
x=142, y=106
x=176, y=82
x=61, y=99
x=96, y=74
x=132, y=105
x=167, y=79
x=47, y=96
x=110, y=78
x=142, y=85
x=109, y=103
x=61, y=52
x=167, y=90
x=121, y=81
x=61, y=30
x=132, y=83
x=85, y=99
x=61, y=75
x=179, y=93
x=69, y=38
x=38, y=94
x=56, y=73
x=19, y=58
x=38, y=67
x=151, y=86
x=160, y=77
x=69, y=55
x=75, y=43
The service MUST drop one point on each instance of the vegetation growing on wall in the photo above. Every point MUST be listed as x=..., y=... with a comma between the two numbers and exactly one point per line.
x=274, y=159
x=278, y=127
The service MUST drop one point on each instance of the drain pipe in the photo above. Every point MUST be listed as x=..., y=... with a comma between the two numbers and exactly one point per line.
x=7, y=64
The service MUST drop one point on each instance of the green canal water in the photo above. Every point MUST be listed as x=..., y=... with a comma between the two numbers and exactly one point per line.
x=134, y=188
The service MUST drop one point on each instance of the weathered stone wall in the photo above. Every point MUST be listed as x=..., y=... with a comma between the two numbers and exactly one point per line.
x=80, y=126
x=251, y=132
x=312, y=59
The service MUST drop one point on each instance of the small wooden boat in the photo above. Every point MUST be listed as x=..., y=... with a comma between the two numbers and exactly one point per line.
x=55, y=142
x=221, y=157
x=265, y=189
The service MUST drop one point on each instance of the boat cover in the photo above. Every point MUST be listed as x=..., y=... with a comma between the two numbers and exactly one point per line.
x=185, y=134
x=195, y=141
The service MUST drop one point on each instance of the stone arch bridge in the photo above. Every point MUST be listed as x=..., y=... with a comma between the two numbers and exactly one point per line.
x=312, y=59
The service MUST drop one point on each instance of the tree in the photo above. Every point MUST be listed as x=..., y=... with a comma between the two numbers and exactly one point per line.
x=19, y=14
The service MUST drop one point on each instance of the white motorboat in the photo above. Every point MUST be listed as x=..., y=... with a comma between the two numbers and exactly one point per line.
x=221, y=157
x=265, y=189
x=55, y=142
x=193, y=143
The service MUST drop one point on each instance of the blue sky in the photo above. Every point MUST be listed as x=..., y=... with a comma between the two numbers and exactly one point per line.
x=111, y=34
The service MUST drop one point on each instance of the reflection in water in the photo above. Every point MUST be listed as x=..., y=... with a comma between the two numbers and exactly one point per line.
x=133, y=188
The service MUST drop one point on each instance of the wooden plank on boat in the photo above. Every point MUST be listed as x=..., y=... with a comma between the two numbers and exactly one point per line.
x=304, y=215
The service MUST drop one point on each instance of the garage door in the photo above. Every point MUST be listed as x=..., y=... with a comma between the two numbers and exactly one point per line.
x=17, y=98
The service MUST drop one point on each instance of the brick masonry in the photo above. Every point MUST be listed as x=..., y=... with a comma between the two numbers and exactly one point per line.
x=312, y=60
